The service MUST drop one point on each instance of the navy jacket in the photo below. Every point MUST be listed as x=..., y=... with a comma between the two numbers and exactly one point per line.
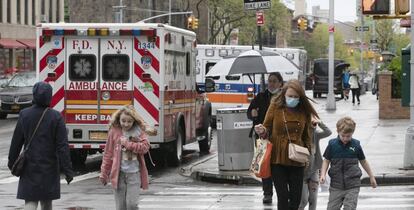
x=48, y=154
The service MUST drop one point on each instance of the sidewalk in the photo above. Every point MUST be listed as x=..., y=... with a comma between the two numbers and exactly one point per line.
x=382, y=141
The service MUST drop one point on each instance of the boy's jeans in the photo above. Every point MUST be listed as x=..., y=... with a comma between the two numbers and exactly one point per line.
x=127, y=194
x=347, y=198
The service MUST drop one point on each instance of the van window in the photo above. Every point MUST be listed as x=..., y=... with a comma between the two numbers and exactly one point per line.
x=188, y=64
x=209, y=65
x=82, y=67
x=234, y=78
x=115, y=67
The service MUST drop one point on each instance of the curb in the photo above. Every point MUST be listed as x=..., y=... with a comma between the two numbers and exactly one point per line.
x=389, y=180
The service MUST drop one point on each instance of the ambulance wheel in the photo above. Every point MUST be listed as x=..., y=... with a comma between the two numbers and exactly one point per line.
x=3, y=115
x=78, y=157
x=205, y=143
x=176, y=149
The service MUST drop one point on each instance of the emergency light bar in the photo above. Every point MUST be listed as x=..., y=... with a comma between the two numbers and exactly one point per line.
x=98, y=32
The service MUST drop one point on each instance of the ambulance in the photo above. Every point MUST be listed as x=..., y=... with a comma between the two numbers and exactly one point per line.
x=97, y=68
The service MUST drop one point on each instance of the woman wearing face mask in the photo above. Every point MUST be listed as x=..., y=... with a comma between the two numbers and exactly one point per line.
x=293, y=105
x=257, y=111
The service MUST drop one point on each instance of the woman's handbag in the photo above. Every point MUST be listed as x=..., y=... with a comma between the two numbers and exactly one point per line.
x=261, y=160
x=296, y=153
x=18, y=166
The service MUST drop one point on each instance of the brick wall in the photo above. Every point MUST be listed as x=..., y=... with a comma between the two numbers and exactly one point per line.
x=389, y=108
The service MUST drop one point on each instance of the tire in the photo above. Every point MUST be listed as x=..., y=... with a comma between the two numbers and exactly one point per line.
x=315, y=95
x=78, y=157
x=3, y=115
x=205, y=144
x=175, y=153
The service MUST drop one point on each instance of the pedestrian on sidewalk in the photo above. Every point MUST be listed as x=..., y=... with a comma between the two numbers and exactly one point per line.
x=311, y=177
x=287, y=175
x=343, y=154
x=123, y=163
x=257, y=111
x=43, y=132
x=345, y=83
x=355, y=87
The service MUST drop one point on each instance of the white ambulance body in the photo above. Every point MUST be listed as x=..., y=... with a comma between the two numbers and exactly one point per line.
x=95, y=69
x=237, y=90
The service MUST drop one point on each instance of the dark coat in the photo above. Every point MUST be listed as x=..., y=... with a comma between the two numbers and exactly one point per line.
x=48, y=154
x=261, y=103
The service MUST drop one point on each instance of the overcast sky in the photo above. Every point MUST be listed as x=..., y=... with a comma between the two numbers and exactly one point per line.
x=345, y=10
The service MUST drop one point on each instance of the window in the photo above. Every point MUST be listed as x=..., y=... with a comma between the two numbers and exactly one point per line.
x=1, y=11
x=82, y=67
x=187, y=64
x=18, y=11
x=209, y=65
x=57, y=11
x=33, y=12
x=42, y=7
x=232, y=78
x=236, y=52
x=26, y=12
x=9, y=11
x=115, y=67
x=50, y=12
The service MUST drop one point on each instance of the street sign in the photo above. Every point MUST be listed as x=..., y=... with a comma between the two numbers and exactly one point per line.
x=361, y=28
x=331, y=29
x=260, y=18
x=373, y=41
x=256, y=4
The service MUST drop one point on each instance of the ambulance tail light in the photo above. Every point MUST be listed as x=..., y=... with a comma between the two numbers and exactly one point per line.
x=59, y=32
x=91, y=32
x=250, y=93
x=137, y=32
x=70, y=32
x=48, y=32
x=103, y=31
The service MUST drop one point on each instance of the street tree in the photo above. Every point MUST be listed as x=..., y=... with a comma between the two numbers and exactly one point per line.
x=385, y=30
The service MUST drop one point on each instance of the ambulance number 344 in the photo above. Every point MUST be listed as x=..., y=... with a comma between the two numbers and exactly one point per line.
x=146, y=45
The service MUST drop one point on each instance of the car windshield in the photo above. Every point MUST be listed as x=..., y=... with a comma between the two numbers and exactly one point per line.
x=23, y=80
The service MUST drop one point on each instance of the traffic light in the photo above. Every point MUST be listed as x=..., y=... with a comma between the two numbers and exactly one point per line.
x=195, y=23
x=302, y=24
x=402, y=7
x=190, y=22
x=375, y=7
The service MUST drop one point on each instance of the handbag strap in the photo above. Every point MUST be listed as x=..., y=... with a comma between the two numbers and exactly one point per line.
x=287, y=131
x=34, y=132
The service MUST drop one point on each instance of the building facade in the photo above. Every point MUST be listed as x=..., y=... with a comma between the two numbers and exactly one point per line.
x=18, y=19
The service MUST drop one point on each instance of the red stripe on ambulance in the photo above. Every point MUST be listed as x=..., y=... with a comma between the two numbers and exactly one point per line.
x=57, y=97
x=43, y=61
x=146, y=104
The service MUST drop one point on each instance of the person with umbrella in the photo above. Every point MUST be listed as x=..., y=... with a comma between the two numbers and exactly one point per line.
x=288, y=119
x=257, y=111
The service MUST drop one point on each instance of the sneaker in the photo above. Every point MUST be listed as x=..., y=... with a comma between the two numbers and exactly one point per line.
x=267, y=199
x=359, y=103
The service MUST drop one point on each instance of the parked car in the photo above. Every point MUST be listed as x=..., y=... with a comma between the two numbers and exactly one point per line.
x=17, y=93
x=321, y=76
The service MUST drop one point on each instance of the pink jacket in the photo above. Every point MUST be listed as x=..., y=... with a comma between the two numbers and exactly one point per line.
x=111, y=161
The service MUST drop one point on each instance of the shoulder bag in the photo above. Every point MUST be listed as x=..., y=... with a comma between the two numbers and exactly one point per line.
x=18, y=165
x=296, y=152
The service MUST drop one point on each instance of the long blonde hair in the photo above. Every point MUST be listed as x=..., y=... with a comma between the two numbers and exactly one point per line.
x=138, y=120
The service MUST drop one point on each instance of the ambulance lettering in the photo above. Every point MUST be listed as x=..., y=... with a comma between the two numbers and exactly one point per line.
x=86, y=117
x=114, y=86
x=81, y=44
x=82, y=86
x=116, y=44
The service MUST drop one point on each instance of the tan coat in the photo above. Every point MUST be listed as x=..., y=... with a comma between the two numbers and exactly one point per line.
x=298, y=128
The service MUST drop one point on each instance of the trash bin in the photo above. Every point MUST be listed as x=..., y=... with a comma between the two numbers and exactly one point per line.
x=235, y=148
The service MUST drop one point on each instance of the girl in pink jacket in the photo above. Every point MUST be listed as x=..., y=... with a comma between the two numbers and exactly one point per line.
x=123, y=162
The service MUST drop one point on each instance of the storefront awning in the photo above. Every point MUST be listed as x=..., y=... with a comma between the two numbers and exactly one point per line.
x=11, y=44
x=30, y=43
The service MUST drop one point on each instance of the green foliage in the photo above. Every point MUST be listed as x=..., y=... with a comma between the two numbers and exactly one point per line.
x=395, y=67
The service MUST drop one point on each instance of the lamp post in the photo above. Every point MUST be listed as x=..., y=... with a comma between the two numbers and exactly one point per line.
x=331, y=105
x=409, y=136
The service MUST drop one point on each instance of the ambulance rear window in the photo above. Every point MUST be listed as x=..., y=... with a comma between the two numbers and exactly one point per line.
x=115, y=67
x=82, y=67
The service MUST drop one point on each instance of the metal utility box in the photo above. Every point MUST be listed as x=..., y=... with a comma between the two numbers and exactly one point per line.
x=235, y=147
x=405, y=77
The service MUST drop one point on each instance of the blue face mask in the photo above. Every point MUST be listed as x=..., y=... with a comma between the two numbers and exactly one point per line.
x=292, y=102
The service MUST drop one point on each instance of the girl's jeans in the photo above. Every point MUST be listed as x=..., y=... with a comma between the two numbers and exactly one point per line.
x=127, y=194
